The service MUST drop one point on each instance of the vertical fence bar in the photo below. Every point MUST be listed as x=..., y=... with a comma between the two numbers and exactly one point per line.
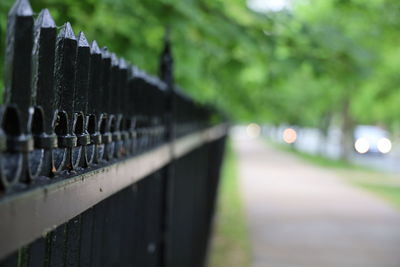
x=57, y=243
x=82, y=155
x=72, y=242
x=95, y=95
x=115, y=105
x=140, y=114
x=37, y=253
x=125, y=120
x=65, y=64
x=66, y=71
x=82, y=74
x=17, y=72
x=90, y=108
x=86, y=238
x=105, y=121
x=97, y=234
x=166, y=75
x=128, y=224
x=43, y=66
x=131, y=104
x=10, y=261
x=112, y=232
x=18, y=93
x=43, y=84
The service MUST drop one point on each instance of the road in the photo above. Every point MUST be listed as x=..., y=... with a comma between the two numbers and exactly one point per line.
x=300, y=215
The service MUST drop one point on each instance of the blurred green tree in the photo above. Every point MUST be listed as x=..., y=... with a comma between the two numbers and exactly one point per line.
x=314, y=64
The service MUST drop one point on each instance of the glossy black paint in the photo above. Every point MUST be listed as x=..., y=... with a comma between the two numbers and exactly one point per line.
x=70, y=108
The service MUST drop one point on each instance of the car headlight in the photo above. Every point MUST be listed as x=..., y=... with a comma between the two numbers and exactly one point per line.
x=384, y=145
x=361, y=145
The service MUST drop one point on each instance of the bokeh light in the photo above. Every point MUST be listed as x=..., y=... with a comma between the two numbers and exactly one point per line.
x=289, y=136
x=384, y=145
x=253, y=130
x=361, y=145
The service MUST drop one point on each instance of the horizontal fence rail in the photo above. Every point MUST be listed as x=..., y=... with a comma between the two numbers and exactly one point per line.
x=101, y=164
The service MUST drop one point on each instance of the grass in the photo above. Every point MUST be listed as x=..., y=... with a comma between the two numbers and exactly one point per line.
x=230, y=245
x=384, y=185
x=315, y=159
x=389, y=193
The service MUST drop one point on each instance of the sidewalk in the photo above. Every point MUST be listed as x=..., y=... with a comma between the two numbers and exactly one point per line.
x=301, y=215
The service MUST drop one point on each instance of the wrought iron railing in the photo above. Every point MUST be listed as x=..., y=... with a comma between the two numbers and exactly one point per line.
x=101, y=164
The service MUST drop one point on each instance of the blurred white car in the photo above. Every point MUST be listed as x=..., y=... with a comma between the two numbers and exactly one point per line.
x=371, y=139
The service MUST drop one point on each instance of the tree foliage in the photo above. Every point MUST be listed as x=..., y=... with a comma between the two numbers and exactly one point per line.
x=318, y=60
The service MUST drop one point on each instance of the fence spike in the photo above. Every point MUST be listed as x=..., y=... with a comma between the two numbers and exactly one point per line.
x=44, y=20
x=105, y=52
x=106, y=79
x=123, y=96
x=66, y=70
x=123, y=64
x=43, y=66
x=106, y=107
x=81, y=101
x=21, y=8
x=43, y=56
x=114, y=59
x=82, y=74
x=82, y=41
x=95, y=48
x=18, y=59
x=67, y=32
x=130, y=104
x=115, y=85
x=95, y=85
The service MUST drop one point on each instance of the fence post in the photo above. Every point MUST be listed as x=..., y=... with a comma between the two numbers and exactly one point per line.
x=18, y=93
x=65, y=75
x=166, y=75
x=125, y=117
x=95, y=95
x=43, y=83
x=105, y=109
x=84, y=155
x=69, y=104
x=18, y=60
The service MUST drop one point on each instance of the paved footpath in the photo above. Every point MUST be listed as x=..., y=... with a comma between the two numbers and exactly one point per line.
x=300, y=215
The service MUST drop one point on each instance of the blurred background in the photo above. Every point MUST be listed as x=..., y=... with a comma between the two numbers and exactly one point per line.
x=325, y=65
x=316, y=79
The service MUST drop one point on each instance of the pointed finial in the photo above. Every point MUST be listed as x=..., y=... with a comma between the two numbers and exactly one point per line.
x=114, y=59
x=166, y=61
x=133, y=70
x=44, y=20
x=95, y=48
x=21, y=8
x=82, y=41
x=122, y=64
x=67, y=32
x=105, y=53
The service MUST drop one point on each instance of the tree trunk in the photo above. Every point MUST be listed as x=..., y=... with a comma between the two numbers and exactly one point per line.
x=324, y=131
x=347, y=127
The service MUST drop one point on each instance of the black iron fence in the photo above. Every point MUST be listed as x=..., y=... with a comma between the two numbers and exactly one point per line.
x=101, y=164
